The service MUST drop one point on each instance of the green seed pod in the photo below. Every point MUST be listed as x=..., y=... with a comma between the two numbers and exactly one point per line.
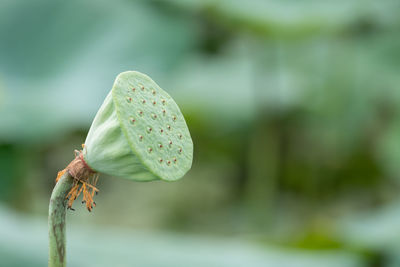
x=139, y=133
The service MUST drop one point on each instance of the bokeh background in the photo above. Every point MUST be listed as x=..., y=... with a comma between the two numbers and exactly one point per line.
x=293, y=106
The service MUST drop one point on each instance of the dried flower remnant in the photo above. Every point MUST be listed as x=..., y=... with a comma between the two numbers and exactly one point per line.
x=85, y=180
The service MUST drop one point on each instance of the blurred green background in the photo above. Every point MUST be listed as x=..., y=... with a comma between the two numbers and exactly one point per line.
x=293, y=106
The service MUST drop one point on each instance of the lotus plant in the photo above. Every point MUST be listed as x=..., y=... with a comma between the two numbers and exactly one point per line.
x=139, y=133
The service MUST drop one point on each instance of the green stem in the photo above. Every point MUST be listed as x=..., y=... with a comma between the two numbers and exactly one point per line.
x=57, y=209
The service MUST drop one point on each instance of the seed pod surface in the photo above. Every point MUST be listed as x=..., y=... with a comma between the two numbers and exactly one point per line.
x=139, y=133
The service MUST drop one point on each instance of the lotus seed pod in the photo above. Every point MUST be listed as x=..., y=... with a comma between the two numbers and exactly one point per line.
x=139, y=133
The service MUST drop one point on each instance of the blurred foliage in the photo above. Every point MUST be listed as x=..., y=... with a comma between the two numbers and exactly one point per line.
x=149, y=249
x=298, y=147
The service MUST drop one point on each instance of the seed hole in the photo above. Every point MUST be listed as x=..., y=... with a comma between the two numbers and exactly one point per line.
x=142, y=87
x=149, y=129
x=161, y=131
x=133, y=89
x=160, y=145
x=149, y=149
x=163, y=101
x=168, y=127
x=153, y=92
x=160, y=160
x=154, y=102
x=140, y=113
x=144, y=101
x=140, y=137
x=164, y=111
x=174, y=160
x=180, y=150
x=153, y=116
x=128, y=99
x=170, y=143
x=168, y=162
x=132, y=120
x=174, y=118
x=180, y=136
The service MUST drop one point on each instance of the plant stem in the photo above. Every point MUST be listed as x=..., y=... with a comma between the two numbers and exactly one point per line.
x=57, y=209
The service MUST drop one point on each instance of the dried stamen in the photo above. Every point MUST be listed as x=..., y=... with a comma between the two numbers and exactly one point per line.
x=85, y=180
